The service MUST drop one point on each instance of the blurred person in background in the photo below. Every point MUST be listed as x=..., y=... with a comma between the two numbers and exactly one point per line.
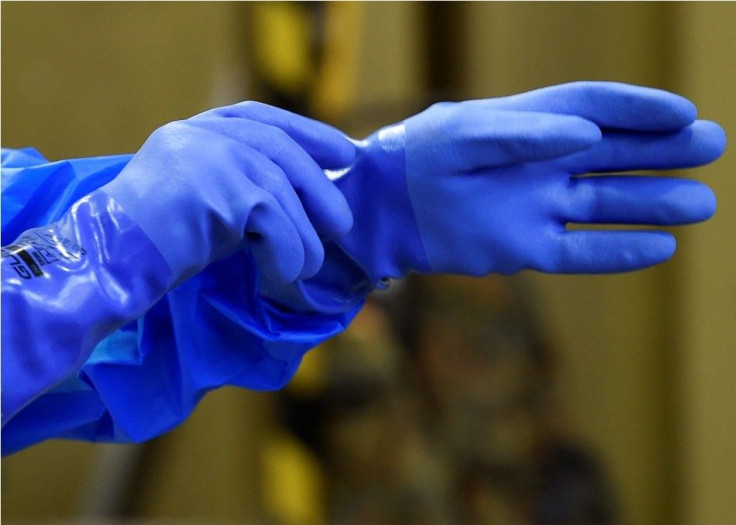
x=439, y=406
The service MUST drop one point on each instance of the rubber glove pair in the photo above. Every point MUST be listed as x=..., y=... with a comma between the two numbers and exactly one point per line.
x=488, y=186
x=471, y=188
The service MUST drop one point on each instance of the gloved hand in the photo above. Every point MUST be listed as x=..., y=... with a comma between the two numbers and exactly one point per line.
x=489, y=185
x=247, y=180
x=247, y=176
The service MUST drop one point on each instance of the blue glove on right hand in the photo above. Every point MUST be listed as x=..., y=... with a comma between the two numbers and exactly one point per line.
x=490, y=185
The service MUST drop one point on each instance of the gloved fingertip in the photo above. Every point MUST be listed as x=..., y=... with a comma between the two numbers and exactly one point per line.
x=712, y=139
x=599, y=252
x=703, y=203
x=340, y=153
x=666, y=111
x=652, y=248
x=687, y=111
x=666, y=246
x=313, y=259
x=688, y=203
x=281, y=265
x=349, y=150
x=288, y=273
x=656, y=248
x=342, y=219
x=308, y=273
x=583, y=133
x=345, y=225
x=563, y=135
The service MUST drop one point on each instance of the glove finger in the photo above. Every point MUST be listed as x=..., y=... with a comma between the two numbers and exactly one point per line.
x=639, y=200
x=266, y=175
x=275, y=244
x=483, y=138
x=695, y=145
x=329, y=147
x=608, y=104
x=324, y=203
x=582, y=251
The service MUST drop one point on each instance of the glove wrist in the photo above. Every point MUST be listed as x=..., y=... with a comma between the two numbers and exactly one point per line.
x=384, y=241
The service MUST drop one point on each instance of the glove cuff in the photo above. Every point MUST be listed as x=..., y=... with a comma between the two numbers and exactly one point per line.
x=384, y=242
x=70, y=284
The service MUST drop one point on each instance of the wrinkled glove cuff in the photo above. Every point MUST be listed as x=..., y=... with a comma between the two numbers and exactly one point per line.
x=385, y=241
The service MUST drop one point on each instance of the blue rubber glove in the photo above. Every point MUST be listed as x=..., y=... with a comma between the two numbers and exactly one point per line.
x=489, y=185
x=247, y=176
x=232, y=181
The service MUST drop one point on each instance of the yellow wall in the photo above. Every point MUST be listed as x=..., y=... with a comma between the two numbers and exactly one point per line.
x=706, y=284
x=94, y=78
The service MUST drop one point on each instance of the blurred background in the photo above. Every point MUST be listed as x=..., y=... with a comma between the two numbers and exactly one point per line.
x=534, y=398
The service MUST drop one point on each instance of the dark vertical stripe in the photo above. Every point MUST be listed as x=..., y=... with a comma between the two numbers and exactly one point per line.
x=35, y=268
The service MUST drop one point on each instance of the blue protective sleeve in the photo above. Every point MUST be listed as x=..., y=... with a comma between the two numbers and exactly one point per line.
x=65, y=287
x=145, y=377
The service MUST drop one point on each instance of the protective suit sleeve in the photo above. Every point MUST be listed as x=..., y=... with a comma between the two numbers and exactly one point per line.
x=65, y=287
x=215, y=328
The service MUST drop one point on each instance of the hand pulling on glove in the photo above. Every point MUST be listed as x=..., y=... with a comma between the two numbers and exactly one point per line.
x=301, y=217
x=247, y=176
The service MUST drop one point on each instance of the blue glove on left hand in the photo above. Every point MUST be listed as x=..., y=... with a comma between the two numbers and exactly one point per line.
x=490, y=185
x=242, y=177
x=246, y=181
